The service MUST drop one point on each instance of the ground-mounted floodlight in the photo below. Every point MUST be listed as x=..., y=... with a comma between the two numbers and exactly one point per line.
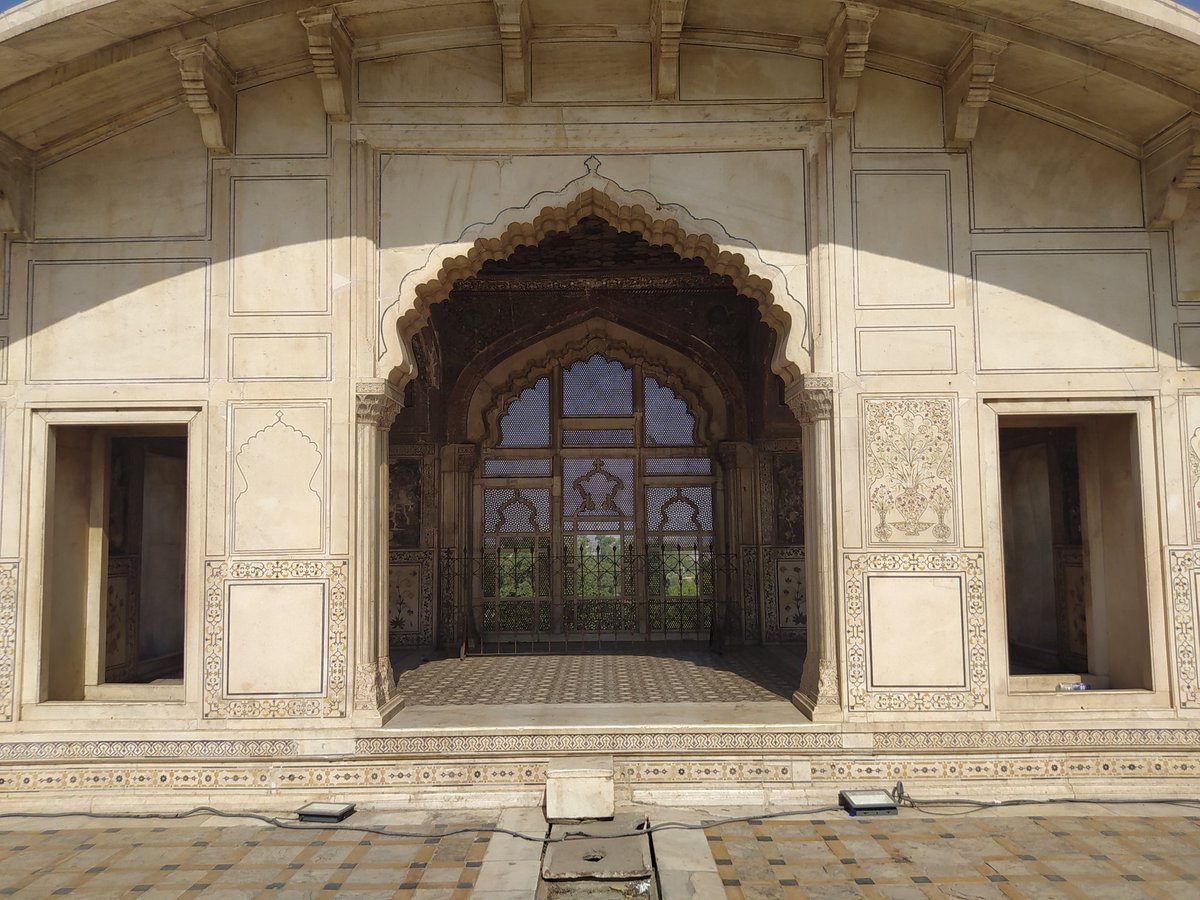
x=867, y=803
x=326, y=813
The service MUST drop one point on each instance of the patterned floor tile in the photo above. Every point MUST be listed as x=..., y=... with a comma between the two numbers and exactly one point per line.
x=758, y=674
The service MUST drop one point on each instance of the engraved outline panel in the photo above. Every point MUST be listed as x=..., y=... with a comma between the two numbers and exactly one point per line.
x=900, y=329
x=949, y=265
x=229, y=616
x=327, y=247
x=324, y=337
x=873, y=681
x=967, y=564
x=1152, y=317
x=233, y=476
x=203, y=264
x=218, y=575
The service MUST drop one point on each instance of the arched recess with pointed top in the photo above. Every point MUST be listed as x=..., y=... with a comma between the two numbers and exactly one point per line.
x=669, y=225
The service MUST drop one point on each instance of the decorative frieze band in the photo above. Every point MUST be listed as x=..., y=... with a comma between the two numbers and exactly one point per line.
x=1185, y=570
x=179, y=751
x=8, y=639
x=642, y=742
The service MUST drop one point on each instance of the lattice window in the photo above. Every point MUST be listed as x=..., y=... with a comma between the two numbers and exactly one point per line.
x=597, y=387
x=527, y=421
x=668, y=422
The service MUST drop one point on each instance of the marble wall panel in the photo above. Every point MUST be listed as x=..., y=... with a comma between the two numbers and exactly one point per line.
x=906, y=350
x=148, y=182
x=1187, y=255
x=1187, y=345
x=1064, y=310
x=279, y=478
x=275, y=639
x=897, y=113
x=280, y=246
x=282, y=118
x=280, y=357
x=904, y=612
x=910, y=470
x=456, y=75
x=590, y=71
x=410, y=597
x=928, y=605
x=154, y=310
x=734, y=73
x=1028, y=173
x=908, y=262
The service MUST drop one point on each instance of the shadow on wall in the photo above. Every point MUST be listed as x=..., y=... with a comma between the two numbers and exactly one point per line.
x=1080, y=297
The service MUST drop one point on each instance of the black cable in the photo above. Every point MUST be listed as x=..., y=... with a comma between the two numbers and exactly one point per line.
x=296, y=825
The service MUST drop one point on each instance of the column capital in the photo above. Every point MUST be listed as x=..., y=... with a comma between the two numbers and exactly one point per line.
x=811, y=398
x=377, y=403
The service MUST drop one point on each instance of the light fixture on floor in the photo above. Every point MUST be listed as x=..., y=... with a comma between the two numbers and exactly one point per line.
x=326, y=813
x=867, y=803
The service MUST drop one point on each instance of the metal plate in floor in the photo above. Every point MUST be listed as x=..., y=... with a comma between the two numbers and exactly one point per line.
x=599, y=857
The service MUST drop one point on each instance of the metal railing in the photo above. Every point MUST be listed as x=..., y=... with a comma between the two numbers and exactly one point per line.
x=529, y=599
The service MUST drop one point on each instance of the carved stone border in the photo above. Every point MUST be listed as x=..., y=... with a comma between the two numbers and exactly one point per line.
x=715, y=772
x=217, y=577
x=1185, y=566
x=858, y=566
x=173, y=750
x=645, y=742
x=1067, y=738
x=8, y=639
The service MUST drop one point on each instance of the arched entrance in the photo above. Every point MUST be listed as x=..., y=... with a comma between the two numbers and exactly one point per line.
x=496, y=301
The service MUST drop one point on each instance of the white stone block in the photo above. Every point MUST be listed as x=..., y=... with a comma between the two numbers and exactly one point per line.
x=580, y=788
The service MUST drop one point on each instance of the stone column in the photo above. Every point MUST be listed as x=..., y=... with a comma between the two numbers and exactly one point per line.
x=377, y=404
x=818, y=696
x=737, y=488
x=458, y=470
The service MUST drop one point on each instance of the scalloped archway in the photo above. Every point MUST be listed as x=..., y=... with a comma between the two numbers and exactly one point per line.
x=669, y=225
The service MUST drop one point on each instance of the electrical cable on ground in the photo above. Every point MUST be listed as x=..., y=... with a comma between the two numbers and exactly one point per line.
x=898, y=794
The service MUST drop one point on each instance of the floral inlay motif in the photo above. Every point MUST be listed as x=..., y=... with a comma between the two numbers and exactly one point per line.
x=910, y=469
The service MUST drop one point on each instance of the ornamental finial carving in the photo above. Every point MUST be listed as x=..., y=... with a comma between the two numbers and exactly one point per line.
x=377, y=403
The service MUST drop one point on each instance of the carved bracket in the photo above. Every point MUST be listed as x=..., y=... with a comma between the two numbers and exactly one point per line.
x=377, y=403
x=1173, y=172
x=666, y=27
x=331, y=49
x=16, y=189
x=968, y=87
x=811, y=398
x=208, y=89
x=513, y=18
x=847, y=47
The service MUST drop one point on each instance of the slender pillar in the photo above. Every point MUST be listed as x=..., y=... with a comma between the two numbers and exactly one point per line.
x=378, y=403
x=818, y=696
x=737, y=486
x=458, y=469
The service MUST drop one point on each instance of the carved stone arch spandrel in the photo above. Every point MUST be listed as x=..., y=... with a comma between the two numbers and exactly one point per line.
x=669, y=225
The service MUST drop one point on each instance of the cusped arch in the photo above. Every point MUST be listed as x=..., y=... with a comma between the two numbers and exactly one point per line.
x=668, y=225
x=493, y=399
